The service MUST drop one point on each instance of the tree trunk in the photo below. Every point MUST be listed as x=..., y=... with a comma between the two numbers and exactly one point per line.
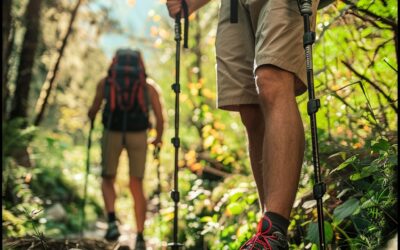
x=6, y=28
x=52, y=74
x=27, y=56
x=24, y=77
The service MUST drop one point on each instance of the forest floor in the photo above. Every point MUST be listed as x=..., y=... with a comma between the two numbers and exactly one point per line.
x=92, y=239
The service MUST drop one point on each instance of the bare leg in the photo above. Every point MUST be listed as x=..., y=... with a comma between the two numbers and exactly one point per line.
x=283, y=147
x=109, y=195
x=252, y=118
x=136, y=187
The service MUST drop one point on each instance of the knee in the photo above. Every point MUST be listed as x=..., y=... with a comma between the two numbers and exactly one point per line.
x=274, y=84
x=136, y=184
x=108, y=180
x=252, y=117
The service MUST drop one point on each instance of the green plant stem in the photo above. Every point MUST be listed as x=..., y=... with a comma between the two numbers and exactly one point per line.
x=339, y=229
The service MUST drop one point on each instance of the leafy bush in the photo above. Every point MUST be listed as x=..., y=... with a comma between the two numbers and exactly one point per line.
x=52, y=180
x=367, y=209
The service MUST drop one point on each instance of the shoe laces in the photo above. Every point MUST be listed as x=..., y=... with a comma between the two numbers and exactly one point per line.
x=262, y=237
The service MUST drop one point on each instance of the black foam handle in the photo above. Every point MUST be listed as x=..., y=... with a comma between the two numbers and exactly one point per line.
x=234, y=11
x=186, y=28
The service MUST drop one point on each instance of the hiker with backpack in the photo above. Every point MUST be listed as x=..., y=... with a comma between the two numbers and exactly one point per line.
x=261, y=68
x=128, y=97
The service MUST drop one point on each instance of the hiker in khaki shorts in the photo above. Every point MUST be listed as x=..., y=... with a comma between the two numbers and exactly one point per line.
x=260, y=71
x=128, y=98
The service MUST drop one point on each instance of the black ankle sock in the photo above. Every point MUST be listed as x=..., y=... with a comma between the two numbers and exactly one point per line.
x=278, y=222
x=111, y=217
x=140, y=235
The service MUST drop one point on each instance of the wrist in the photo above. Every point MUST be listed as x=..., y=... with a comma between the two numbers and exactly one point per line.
x=194, y=5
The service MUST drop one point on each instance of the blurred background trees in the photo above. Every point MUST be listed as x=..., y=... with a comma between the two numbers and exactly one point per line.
x=54, y=53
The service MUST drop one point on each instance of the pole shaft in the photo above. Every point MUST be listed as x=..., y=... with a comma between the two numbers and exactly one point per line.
x=306, y=12
x=176, y=88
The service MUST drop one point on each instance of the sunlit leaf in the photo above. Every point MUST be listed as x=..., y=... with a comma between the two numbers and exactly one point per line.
x=346, y=209
x=344, y=164
x=234, y=208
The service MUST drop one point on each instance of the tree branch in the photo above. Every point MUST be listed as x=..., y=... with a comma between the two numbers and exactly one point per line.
x=384, y=20
x=387, y=97
x=47, y=86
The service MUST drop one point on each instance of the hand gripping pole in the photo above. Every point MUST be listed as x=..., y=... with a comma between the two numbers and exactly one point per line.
x=312, y=108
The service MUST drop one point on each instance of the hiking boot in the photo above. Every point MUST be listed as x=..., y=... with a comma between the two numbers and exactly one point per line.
x=112, y=233
x=140, y=243
x=266, y=238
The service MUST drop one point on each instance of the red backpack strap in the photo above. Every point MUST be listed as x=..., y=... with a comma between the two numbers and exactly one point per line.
x=112, y=95
x=111, y=82
x=142, y=83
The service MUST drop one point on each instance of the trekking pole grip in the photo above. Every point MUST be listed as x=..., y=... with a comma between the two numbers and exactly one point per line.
x=305, y=7
x=178, y=27
x=91, y=124
x=156, y=152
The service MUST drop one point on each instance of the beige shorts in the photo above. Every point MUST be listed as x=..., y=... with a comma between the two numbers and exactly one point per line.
x=136, y=147
x=268, y=32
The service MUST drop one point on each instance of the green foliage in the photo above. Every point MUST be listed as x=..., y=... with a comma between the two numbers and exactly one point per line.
x=368, y=212
x=313, y=233
x=52, y=181
x=16, y=135
x=19, y=203
x=216, y=214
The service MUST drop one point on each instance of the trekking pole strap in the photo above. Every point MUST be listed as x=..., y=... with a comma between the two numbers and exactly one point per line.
x=234, y=11
x=186, y=28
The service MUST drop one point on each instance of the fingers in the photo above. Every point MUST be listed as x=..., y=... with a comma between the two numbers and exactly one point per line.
x=91, y=116
x=157, y=143
x=174, y=7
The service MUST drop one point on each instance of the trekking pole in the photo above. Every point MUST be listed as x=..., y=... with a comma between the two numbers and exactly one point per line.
x=156, y=157
x=312, y=108
x=89, y=144
x=175, y=140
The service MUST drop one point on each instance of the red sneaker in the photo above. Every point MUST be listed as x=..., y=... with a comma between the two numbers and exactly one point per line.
x=266, y=238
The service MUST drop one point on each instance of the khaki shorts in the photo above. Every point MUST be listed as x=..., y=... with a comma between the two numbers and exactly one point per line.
x=268, y=32
x=136, y=147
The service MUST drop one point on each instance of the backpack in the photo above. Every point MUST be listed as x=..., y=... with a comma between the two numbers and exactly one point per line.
x=125, y=91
